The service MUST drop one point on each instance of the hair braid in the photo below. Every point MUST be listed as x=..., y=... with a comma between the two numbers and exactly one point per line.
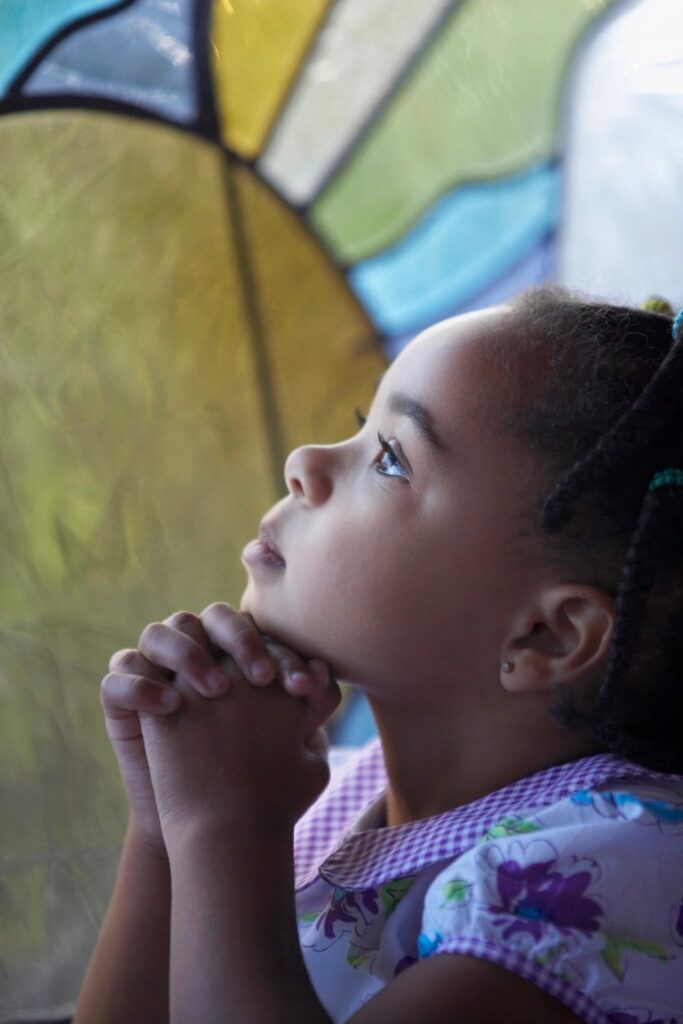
x=604, y=418
x=636, y=429
x=628, y=714
x=634, y=590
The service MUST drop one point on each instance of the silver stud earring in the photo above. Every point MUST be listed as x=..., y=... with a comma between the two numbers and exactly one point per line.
x=507, y=666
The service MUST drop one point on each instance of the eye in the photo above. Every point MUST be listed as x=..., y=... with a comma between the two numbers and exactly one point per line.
x=387, y=463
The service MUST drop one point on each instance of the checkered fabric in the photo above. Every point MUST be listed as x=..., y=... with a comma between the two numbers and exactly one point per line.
x=326, y=845
x=578, y=1002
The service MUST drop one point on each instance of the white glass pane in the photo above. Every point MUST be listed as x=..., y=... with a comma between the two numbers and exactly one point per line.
x=361, y=51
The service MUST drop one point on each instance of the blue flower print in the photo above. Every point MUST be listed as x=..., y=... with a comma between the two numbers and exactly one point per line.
x=666, y=815
x=426, y=944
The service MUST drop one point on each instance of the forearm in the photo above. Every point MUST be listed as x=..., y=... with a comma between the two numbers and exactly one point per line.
x=128, y=976
x=235, y=954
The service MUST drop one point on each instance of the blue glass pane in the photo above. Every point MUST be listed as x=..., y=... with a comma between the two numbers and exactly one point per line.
x=26, y=25
x=467, y=241
x=141, y=56
x=536, y=267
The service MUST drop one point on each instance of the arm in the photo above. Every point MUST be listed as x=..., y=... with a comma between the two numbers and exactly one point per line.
x=231, y=777
x=127, y=979
x=128, y=976
x=235, y=953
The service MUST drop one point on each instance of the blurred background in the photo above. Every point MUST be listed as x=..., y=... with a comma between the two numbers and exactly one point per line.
x=219, y=221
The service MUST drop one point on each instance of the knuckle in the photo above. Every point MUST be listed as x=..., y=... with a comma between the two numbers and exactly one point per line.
x=182, y=620
x=217, y=610
x=194, y=662
x=123, y=660
x=110, y=689
x=152, y=633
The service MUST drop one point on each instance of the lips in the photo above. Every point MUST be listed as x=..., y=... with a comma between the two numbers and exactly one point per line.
x=268, y=541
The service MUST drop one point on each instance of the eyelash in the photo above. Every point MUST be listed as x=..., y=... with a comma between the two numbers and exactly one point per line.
x=385, y=446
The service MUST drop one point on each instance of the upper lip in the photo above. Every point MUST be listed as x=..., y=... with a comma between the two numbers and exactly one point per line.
x=268, y=540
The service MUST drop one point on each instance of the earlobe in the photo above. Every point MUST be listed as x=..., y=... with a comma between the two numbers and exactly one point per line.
x=564, y=637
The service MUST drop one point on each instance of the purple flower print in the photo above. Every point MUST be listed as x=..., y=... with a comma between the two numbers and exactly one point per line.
x=346, y=912
x=677, y=924
x=537, y=893
x=404, y=963
x=634, y=1016
x=348, y=908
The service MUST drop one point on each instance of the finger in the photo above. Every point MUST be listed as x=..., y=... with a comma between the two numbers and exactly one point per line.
x=121, y=694
x=236, y=633
x=174, y=650
x=321, y=704
x=130, y=661
x=191, y=625
x=296, y=675
x=319, y=743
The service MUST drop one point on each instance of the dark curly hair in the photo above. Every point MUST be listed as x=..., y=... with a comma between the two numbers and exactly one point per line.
x=604, y=415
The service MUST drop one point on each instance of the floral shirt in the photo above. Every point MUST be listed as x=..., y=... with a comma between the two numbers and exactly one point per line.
x=571, y=878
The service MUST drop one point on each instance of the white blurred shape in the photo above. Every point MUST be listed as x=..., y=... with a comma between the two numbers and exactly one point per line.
x=623, y=204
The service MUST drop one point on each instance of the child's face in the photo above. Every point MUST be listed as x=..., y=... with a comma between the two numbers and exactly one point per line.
x=406, y=564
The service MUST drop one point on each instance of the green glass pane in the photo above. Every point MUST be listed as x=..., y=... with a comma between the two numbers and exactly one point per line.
x=481, y=103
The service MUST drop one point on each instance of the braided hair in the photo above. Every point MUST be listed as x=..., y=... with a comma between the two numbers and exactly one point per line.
x=604, y=417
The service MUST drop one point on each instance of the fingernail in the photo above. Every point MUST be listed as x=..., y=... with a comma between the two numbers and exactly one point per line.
x=170, y=698
x=262, y=671
x=217, y=682
x=301, y=681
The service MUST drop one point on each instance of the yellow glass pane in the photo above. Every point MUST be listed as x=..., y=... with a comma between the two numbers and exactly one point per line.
x=134, y=460
x=256, y=50
x=324, y=360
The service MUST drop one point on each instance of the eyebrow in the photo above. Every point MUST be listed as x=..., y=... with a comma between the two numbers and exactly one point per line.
x=403, y=405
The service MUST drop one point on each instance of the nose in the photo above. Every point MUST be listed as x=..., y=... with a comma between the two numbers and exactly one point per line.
x=307, y=473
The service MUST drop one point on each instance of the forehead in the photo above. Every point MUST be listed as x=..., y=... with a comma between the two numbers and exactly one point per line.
x=452, y=368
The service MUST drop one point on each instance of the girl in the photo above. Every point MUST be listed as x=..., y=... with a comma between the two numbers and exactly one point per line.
x=496, y=560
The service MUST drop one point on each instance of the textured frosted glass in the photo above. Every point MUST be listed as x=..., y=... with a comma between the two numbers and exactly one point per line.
x=470, y=238
x=481, y=103
x=135, y=463
x=141, y=56
x=624, y=166
x=361, y=51
x=256, y=49
x=26, y=25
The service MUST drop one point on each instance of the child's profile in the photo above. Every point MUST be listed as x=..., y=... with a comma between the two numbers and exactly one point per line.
x=495, y=559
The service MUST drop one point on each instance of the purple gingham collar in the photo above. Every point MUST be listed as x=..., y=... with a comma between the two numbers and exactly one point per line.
x=326, y=843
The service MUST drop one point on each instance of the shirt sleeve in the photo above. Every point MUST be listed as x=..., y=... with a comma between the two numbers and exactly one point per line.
x=583, y=899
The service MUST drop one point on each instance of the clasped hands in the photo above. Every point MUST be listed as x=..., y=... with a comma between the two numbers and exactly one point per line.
x=216, y=727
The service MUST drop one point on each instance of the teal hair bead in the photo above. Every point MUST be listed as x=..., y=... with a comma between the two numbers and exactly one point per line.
x=676, y=324
x=667, y=478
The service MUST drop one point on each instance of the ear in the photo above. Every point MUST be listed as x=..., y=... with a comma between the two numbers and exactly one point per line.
x=563, y=636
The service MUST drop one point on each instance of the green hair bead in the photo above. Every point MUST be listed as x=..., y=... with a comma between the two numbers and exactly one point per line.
x=667, y=478
x=656, y=304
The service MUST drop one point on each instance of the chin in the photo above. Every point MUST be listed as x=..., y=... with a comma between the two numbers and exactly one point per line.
x=273, y=626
